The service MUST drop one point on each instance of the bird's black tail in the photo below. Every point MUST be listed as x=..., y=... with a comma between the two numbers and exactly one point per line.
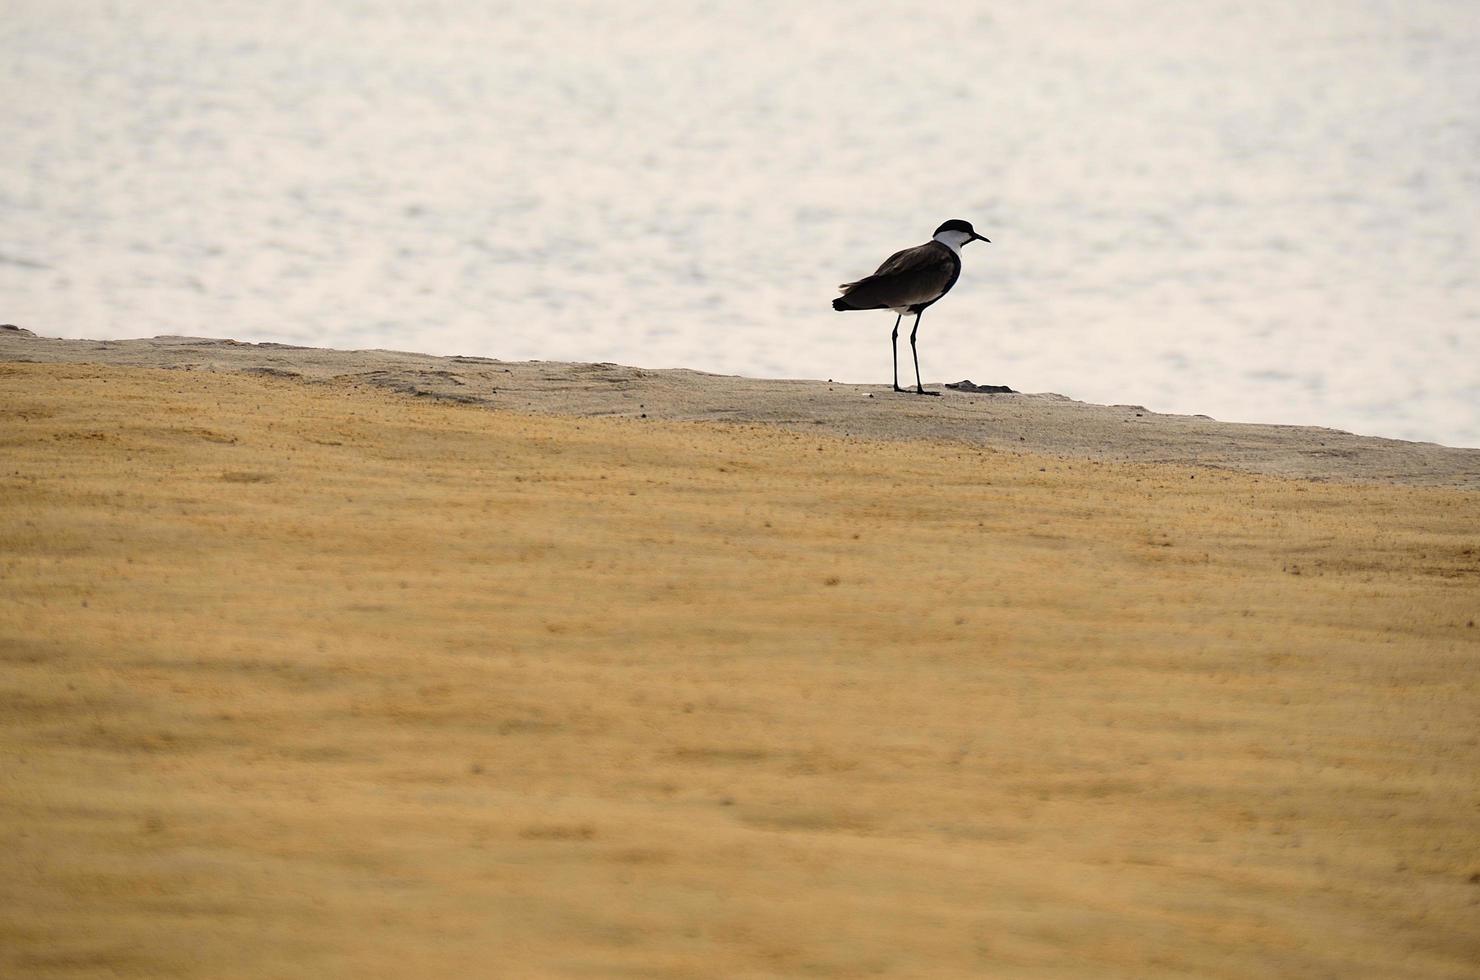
x=841, y=304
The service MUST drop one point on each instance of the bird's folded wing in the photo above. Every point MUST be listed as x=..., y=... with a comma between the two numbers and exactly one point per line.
x=915, y=275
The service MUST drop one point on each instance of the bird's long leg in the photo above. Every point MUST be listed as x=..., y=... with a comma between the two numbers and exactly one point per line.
x=894, y=350
x=919, y=388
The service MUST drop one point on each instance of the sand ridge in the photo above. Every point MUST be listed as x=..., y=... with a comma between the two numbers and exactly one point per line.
x=1042, y=423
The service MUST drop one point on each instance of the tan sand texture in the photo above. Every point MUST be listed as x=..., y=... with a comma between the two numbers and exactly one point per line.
x=310, y=680
x=1041, y=422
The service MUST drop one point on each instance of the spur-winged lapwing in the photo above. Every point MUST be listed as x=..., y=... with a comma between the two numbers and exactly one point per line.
x=908, y=282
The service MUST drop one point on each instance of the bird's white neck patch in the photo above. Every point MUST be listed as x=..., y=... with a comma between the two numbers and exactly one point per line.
x=953, y=240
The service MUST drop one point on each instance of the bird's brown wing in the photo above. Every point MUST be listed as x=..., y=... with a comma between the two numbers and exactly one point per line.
x=915, y=275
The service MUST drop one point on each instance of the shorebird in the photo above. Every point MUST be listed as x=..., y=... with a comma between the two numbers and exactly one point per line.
x=909, y=281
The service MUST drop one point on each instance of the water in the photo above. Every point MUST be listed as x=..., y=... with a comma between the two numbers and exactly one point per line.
x=1259, y=211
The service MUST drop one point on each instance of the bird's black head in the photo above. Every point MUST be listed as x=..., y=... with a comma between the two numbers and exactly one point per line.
x=960, y=231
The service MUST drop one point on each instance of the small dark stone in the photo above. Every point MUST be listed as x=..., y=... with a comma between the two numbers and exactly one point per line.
x=981, y=389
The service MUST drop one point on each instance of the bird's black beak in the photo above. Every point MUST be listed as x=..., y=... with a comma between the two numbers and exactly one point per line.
x=981, y=238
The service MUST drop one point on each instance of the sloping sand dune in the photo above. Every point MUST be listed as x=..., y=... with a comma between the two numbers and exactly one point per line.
x=1043, y=423
x=324, y=680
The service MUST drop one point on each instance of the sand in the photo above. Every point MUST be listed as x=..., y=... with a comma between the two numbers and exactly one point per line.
x=302, y=676
x=1040, y=423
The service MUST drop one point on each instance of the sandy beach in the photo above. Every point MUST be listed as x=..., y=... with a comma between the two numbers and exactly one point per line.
x=1036, y=423
x=324, y=663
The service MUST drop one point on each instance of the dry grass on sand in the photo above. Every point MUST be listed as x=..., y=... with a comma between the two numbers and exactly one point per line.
x=301, y=680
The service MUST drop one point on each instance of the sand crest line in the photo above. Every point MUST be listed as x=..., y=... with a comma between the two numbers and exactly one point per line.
x=1039, y=423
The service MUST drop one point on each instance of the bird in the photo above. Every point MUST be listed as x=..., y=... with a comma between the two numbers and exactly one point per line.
x=910, y=280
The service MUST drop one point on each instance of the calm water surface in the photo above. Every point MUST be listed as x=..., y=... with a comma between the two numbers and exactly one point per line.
x=1259, y=211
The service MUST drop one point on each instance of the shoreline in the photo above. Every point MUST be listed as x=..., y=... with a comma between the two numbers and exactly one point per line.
x=1037, y=423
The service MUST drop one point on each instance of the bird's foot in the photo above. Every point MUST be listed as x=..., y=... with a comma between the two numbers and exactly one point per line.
x=922, y=391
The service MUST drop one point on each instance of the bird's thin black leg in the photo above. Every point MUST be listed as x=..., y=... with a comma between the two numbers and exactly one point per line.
x=919, y=388
x=894, y=350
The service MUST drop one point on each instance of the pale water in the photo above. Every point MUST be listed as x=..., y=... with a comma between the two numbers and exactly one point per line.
x=1262, y=211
